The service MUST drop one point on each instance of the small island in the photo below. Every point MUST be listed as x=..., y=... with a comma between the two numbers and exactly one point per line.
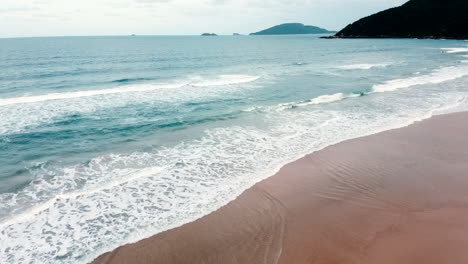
x=424, y=19
x=209, y=35
x=293, y=28
x=236, y=34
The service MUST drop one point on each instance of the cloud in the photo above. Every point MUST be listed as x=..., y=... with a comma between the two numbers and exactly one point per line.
x=153, y=1
x=111, y=17
x=18, y=9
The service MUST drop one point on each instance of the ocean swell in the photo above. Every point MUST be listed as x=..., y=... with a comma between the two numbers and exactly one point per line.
x=435, y=77
x=201, y=82
x=363, y=66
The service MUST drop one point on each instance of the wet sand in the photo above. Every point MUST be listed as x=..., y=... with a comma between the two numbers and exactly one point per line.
x=400, y=196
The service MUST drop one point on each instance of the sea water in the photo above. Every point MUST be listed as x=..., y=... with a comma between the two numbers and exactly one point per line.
x=109, y=140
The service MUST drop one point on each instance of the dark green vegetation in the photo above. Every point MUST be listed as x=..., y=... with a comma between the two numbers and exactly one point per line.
x=438, y=19
x=292, y=28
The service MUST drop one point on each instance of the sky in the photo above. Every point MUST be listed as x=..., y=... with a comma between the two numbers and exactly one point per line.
x=27, y=18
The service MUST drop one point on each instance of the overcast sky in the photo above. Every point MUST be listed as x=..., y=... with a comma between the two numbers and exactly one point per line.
x=175, y=17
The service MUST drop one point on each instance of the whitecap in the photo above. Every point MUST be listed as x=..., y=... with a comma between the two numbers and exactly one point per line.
x=455, y=50
x=363, y=66
x=322, y=99
x=202, y=82
x=225, y=80
x=122, y=202
x=437, y=76
x=86, y=93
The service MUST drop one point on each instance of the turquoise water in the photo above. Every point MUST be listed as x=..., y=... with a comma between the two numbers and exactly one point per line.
x=108, y=140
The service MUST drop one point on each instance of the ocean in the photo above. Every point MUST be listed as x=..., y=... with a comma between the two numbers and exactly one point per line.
x=108, y=140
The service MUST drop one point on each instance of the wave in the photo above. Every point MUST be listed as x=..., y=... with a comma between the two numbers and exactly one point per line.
x=437, y=76
x=323, y=99
x=88, y=93
x=217, y=81
x=299, y=64
x=455, y=50
x=144, y=172
x=225, y=80
x=363, y=66
x=126, y=80
x=85, y=210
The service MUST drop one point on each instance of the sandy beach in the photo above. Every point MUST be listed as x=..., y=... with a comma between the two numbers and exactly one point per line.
x=400, y=196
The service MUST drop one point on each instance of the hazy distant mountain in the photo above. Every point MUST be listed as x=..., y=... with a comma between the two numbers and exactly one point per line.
x=209, y=35
x=292, y=28
x=415, y=19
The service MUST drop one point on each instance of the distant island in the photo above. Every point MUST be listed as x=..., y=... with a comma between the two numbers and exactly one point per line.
x=292, y=28
x=426, y=19
x=209, y=35
x=236, y=34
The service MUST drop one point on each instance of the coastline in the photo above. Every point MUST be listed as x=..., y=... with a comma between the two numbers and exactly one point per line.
x=392, y=37
x=394, y=197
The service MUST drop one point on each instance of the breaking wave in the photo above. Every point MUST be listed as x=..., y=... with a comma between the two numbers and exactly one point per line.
x=363, y=66
x=437, y=76
x=218, y=81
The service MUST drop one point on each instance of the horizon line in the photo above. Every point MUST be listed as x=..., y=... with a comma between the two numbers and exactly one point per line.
x=150, y=35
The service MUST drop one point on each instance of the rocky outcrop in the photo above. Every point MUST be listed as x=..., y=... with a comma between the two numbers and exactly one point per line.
x=439, y=19
x=292, y=28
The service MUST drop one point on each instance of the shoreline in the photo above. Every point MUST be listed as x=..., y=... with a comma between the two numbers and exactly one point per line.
x=291, y=214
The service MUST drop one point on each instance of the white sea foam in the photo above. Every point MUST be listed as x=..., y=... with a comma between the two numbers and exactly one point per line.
x=113, y=182
x=127, y=198
x=225, y=80
x=21, y=113
x=363, y=66
x=323, y=99
x=217, y=81
x=85, y=210
x=74, y=214
x=437, y=76
x=455, y=50
x=88, y=93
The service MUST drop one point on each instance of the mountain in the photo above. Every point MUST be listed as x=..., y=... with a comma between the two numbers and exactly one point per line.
x=292, y=28
x=209, y=35
x=446, y=19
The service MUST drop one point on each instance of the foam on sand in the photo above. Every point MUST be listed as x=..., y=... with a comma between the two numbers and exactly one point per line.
x=82, y=211
x=355, y=175
x=145, y=172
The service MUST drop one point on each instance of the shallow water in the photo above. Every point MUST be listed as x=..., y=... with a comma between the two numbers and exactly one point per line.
x=108, y=140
